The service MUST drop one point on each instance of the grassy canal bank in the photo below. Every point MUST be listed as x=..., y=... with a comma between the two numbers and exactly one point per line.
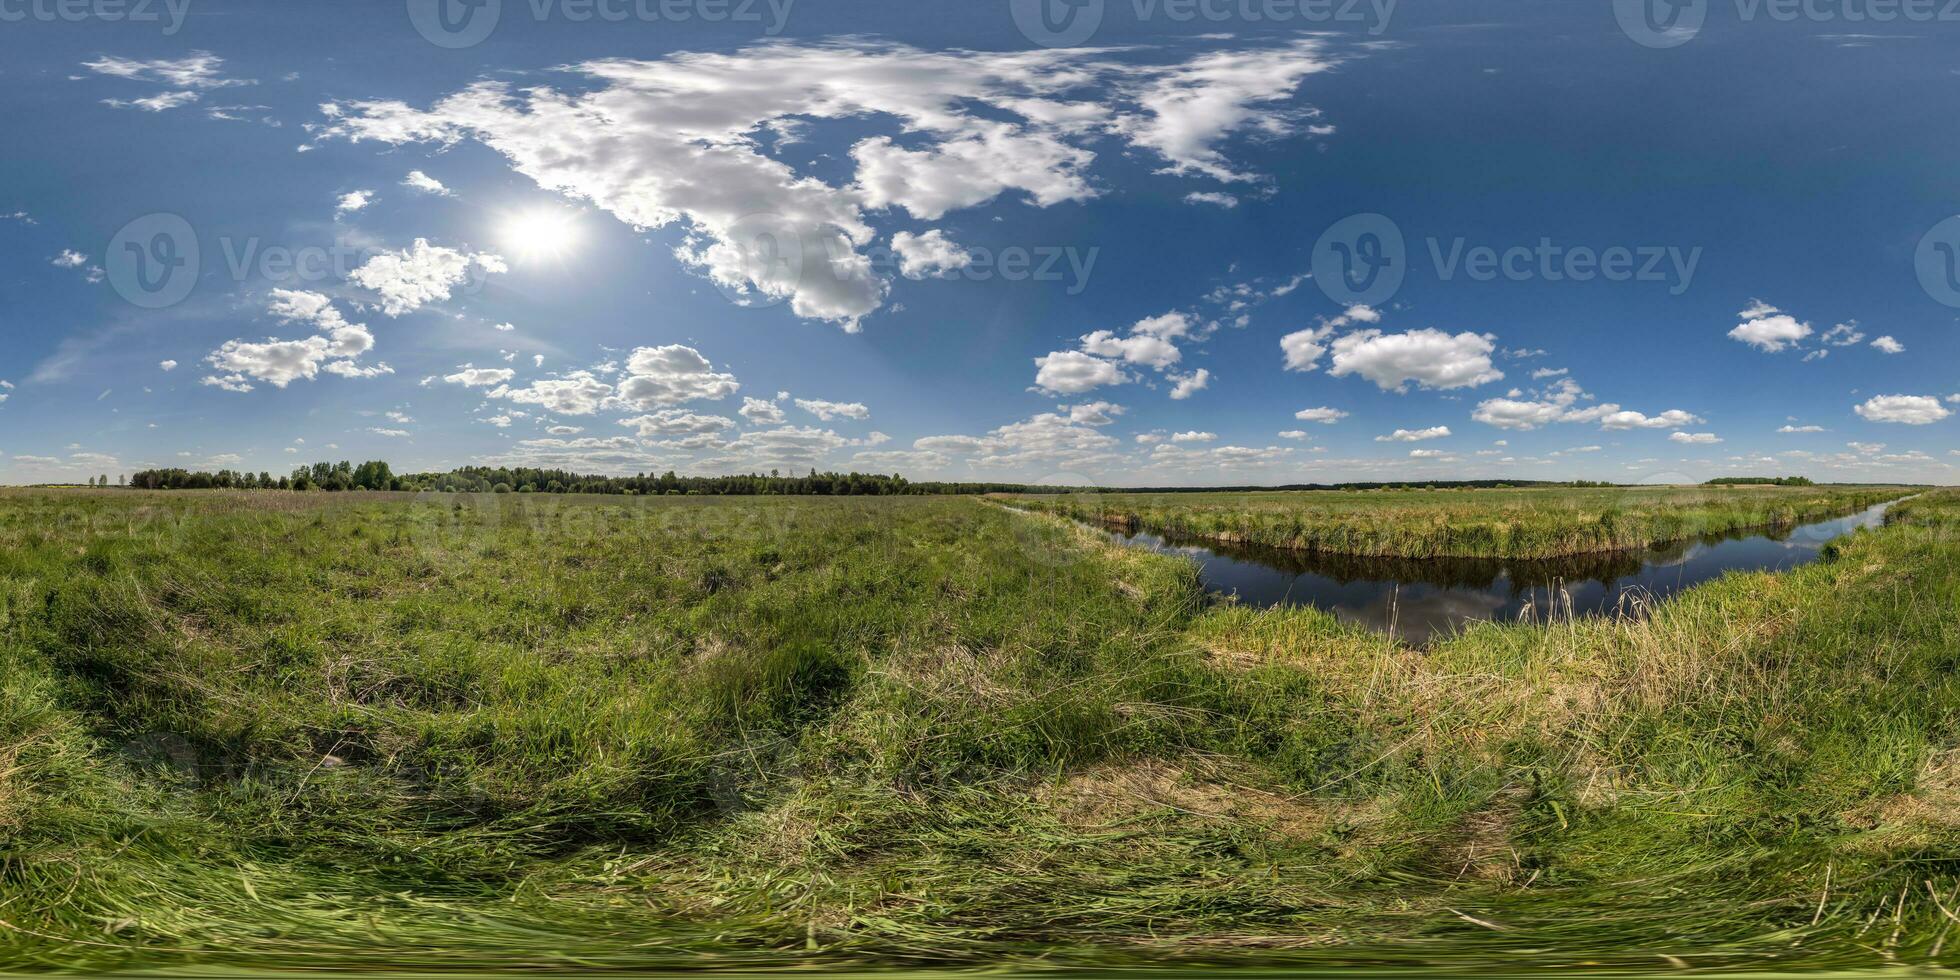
x=1527, y=523
x=491, y=732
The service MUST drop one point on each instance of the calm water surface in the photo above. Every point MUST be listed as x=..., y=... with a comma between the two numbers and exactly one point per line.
x=1419, y=598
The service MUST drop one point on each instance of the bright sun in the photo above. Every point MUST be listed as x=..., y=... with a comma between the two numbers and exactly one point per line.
x=540, y=233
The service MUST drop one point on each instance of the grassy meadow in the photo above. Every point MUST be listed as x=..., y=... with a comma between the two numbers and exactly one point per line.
x=1530, y=522
x=262, y=731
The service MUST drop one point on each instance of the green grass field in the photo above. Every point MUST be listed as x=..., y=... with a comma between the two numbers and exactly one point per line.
x=498, y=732
x=1535, y=522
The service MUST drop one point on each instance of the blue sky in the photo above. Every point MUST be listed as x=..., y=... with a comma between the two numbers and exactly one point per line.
x=1237, y=243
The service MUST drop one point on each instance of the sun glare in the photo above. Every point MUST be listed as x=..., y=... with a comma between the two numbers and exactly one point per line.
x=541, y=233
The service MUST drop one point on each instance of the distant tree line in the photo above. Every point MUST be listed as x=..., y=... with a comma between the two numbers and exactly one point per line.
x=377, y=475
x=373, y=475
x=1761, y=481
x=181, y=479
x=484, y=479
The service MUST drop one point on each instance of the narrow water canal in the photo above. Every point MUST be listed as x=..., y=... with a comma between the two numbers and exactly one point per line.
x=1419, y=598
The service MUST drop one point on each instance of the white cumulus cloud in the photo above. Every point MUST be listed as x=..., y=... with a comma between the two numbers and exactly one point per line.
x=670, y=375
x=1428, y=357
x=761, y=412
x=1070, y=372
x=421, y=274
x=1766, y=328
x=676, y=422
x=1903, y=409
x=1095, y=413
x=1324, y=416
x=336, y=349
x=417, y=180
x=1186, y=385
x=1415, y=435
x=929, y=255
x=676, y=140
x=476, y=377
x=1673, y=418
x=1303, y=348
x=833, y=410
